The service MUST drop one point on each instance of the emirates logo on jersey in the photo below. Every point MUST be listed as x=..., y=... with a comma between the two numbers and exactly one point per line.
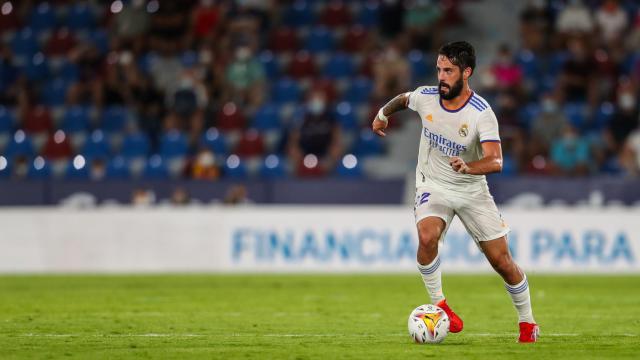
x=464, y=130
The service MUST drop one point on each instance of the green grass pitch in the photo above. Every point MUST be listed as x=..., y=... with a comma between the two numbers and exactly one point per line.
x=307, y=317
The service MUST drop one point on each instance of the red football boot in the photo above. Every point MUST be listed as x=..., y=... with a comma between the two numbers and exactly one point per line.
x=529, y=332
x=455, y=323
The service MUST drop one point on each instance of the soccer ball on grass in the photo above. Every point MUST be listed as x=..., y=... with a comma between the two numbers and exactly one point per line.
x=428, y=324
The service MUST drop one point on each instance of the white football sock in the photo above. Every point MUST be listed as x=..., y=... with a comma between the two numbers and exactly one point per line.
x=432, y=278
x=521, y=300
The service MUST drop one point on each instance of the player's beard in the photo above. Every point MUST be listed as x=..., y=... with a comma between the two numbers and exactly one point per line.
x=454, y=90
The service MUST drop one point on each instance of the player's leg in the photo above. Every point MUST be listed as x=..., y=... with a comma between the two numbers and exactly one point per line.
x=482, y=220
x=516, y=284
x=433, y=214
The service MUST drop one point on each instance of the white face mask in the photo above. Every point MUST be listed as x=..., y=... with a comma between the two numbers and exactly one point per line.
x=316, y=106
x=626, y=101
x=549, y=106
x=243, y=53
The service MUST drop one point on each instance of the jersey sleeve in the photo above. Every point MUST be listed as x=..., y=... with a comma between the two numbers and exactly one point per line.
x=414, y=97
x=488, y=127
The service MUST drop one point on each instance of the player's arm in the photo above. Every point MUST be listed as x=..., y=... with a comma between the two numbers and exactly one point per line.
x=396, y=104
x=491, y=161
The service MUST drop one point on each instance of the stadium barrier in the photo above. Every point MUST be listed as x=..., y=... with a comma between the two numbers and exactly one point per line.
x=300, y=239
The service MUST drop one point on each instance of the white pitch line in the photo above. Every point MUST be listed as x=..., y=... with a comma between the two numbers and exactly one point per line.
x=300, y=335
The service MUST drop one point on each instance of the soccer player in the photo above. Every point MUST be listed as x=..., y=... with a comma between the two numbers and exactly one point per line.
x=459, y=145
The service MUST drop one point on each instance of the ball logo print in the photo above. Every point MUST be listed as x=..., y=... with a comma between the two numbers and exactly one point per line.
x=428, y=324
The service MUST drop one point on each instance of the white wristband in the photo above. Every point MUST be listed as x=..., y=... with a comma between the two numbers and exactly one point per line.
x=382, y=117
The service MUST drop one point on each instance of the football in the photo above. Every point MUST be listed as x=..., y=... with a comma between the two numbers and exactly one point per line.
x=428, y=324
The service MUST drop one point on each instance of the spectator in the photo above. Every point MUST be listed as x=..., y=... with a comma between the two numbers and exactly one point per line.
x=206, y=20
x=421, y=23
x=131, y=24
x=204, y=167
x=180, y=197
x=549, y=125
x=574, y=19
x=237, y=195
x=630, y=155
x=392, y=74
x=625, y=115
x=506, y=73
x=570, y=153
x=577, y=80
x=245, y=78
x=318, y=134
x=611, y=20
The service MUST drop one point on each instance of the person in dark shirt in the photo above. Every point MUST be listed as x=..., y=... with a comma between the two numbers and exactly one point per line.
x=317, y=134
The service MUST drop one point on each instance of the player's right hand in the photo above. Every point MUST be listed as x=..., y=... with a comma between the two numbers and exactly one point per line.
x=378, y=126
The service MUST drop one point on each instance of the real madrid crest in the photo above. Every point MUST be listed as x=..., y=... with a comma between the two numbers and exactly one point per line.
x=464, y=130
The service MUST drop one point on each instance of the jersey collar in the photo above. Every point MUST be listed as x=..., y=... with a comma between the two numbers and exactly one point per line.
x=458, y=109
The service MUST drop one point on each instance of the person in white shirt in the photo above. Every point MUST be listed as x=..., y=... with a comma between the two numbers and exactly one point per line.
x=459, y=144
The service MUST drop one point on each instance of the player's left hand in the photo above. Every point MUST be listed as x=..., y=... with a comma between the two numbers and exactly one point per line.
x=458, y=165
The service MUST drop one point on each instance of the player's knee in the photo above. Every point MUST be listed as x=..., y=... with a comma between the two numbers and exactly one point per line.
x=428, y=238
x=503, y=263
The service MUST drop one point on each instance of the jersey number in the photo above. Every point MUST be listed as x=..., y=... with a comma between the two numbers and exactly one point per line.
x=424, y=198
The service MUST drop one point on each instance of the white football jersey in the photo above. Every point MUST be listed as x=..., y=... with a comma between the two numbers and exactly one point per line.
x=447, y=133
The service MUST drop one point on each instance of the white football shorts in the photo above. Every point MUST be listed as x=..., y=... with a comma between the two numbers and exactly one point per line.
x=477, y=212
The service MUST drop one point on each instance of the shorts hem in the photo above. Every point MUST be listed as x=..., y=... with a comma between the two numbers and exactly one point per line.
x=424, y=216
x=496, y=236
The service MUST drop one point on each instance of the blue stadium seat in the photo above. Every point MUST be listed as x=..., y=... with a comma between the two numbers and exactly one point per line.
x=100, y=40
x=419, y=68
x=272, y=168
x=531, y=65
x=117, y=168
x=529, y=113
x=234, y=168
x=155, y=168
x=340, y=65
x=320, y=39
x=267, y=118
x=76, y=119
x=368, y=15
x=5, y=167
x=68, y=71
x=114, y=118
x=39, y=169
x=96, y=146
x=7, y=119
x=285, y=90
x=346, y=115
x=214, y=140
x=54, y=92
x=603, y=116
x=576, y=113
x=349, y=167
x=174, y=144
x=367, y=144
x=43, y=17
x=77, y=169
x=80, y=17
x=270, y=64
x=25, y=44
x=189, y=59
x=37, y=68
x=135, y=145
x=359, y=91
x=300, y=13
x=20, y=144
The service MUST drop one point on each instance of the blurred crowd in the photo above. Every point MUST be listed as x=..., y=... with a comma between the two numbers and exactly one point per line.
x=269, y=89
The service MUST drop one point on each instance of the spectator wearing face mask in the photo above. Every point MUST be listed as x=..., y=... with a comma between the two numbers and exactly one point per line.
x=245, y=77
x=570, y=153
x=626, y=113
x=317, y=134
x=548, y=126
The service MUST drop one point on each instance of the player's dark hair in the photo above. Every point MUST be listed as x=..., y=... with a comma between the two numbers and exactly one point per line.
x=460, y=53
